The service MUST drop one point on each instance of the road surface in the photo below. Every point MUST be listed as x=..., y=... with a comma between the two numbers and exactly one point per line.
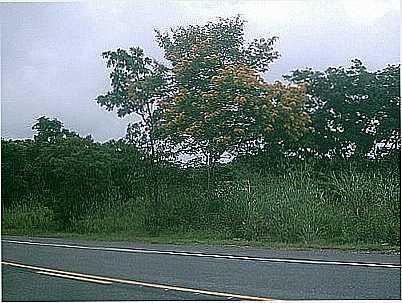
x=49, y=269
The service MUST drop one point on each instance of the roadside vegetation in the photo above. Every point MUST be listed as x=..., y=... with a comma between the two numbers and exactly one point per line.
x=314, y=162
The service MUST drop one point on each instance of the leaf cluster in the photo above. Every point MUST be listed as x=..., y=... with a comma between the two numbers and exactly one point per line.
x=220, y=103
x=355, y=112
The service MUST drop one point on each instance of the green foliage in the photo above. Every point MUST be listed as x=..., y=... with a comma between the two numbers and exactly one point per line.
x=48, y=130
x=370, y=203
x=220, y=103
x=138, y=85
x=211, y=101
x=200, y=50
x=288, y=183
x=113, y=216
x=51, y=130
x=298, y=201
x=15, y=167
x=28, y=216
x=354, y=111
x=126, y=68
x=70, y=175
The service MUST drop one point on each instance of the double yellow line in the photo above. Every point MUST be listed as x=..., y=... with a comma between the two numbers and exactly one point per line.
x=109, y=280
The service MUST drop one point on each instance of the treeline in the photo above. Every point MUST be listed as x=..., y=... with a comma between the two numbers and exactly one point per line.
x=68, y=183
x=210, y=100
x=70, y=176
x=316, y=160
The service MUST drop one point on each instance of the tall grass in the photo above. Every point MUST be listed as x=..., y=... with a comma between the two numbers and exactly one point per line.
x=112, y=217
x=296, y=206
x=28, y=218
x=369, y=206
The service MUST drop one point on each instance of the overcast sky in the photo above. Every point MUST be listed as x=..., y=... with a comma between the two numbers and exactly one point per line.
x=51, y=52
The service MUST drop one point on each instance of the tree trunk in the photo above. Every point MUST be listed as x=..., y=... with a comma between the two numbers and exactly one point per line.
x=155, y=205
x=211, y=161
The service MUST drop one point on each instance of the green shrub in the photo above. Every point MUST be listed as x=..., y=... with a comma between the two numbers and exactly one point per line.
x=112, y=217
x=369, y=205
x=25, y=218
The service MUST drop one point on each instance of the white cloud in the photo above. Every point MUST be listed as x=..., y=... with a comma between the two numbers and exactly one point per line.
x=367, y=11
x=274, y=11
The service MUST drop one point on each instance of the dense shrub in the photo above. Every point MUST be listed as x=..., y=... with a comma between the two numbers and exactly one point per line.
x=85, y=187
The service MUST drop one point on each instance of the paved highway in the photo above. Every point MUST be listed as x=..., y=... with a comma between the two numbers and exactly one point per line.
x=48, y=269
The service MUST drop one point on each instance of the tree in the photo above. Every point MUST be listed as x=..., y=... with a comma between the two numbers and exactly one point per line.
x=239, y=114
x=51, y=130
x=211, y=101
x=139, y=84
x=16, y=164
x=221, y=104
x=70, y=176
x=355, y=112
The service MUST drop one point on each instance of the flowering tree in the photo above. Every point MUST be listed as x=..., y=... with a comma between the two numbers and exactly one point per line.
x=221, y=103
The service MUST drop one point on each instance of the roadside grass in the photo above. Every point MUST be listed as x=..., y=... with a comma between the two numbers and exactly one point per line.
x=205, y=239
x=112, y=218
x=295, y=210
x=25, y=218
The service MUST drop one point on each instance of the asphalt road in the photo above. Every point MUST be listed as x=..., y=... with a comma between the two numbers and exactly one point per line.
x=47, y=269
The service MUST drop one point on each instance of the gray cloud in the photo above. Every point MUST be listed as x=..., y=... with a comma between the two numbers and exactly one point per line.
x=51, y=63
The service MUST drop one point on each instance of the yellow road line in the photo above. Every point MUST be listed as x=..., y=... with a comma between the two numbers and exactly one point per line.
x=73, y=277
x=139, y=283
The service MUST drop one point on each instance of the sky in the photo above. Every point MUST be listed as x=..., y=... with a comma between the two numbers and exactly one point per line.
x=51, y=62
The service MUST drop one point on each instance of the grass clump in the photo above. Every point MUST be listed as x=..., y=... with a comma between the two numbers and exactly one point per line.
x=25, y=218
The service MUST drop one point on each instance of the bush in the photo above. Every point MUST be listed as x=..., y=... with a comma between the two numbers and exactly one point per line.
x=85, y=187
x=113, y=217
x=369, y=205
x=26, y=218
